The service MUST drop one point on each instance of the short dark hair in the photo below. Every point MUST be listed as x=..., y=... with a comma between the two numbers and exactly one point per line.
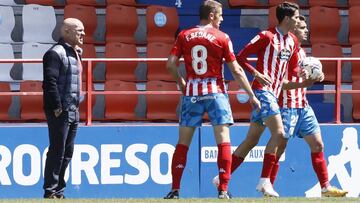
x=286, y=9
x=207, y=7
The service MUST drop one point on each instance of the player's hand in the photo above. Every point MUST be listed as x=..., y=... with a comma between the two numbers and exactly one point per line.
x=255, y=103
x=303, y=73
x=320, y=78
x=57, y=112
x=263, y=79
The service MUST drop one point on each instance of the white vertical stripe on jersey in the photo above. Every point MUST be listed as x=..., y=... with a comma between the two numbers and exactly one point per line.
x=293, y=94
x=195, y=87
x=188, y=88
x=266, y=62
x=204, y=87
x=277, y=40
x=214, y=86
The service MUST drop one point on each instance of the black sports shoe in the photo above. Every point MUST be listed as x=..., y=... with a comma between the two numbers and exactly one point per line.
x=224, y=195
x=172, y=195
x=60, y=196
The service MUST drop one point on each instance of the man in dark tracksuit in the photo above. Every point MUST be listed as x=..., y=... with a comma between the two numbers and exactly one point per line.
x=61, y=85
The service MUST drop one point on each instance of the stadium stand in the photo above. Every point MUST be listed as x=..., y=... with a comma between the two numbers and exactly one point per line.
x=36, y=29
x=161, y=107
x=277, y=2
x=356, y=101
x=157, y=70
x=120, y=70
x=123, y=2
x=83, y=103
x=241, y=111
x=161, y=23
x=247, y=3
x=327, y=3
x=87, y=15
x=5, y=101
x=183, y=4
x=272, y=20
x=354, y=24
x=120, y=107
x=8, y=3
x=44, y=2
x=355, y=65
x=323, y=30
x=327, y=50
x=33, y=50
x=6, y=52
x=7, y=24
x=353, y=3
x=31, y=107
x=83, y=2
x=89, y=51
x=115, y=23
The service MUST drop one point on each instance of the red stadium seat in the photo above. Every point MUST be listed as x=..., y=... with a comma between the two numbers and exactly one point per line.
x=355, y=65
x=44, y=2
x=87, y=15
x=328, y=3
x=82, y=107
x=89, y=51
x=327, y=50
x=122, y=2
x=353, y=3
x=120, y=70
x=115, y=23
x=354, y=24
x=249, y=3
x=161, y=23
x=120, y=106
x=157, y=70
x=240, y=111
x=277, y=2
x=324, y=25
x=356, y=101
x=161, y=107
x=272, y=20
x=31, y=107
x=5, y=101
x=82, y=2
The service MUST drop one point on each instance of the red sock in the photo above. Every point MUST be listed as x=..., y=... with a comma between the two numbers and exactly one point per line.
x=274, y=170
x=224, y=165
x=319, y=165
x=235, y=162
x=269, y=161
x=178, y=164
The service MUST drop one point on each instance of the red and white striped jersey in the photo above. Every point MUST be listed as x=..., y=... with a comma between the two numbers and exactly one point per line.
x=295, y=98
x=203, y=49
x=273, y=50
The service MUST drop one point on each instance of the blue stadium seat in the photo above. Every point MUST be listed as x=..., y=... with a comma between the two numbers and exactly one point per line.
x=239, y=37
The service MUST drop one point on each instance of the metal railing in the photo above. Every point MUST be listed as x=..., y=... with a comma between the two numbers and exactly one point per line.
x=89, y=91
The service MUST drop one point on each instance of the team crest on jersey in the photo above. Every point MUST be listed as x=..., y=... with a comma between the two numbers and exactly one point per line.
x=284, y=54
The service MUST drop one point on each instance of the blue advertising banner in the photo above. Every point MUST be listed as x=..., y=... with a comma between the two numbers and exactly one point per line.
x=135, y=161
x=296, y=175
x=108, y=162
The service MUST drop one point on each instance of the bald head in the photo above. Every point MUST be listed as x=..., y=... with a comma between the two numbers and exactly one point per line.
x=72, y=31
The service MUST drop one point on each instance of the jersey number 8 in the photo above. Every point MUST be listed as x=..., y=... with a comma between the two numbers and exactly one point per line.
x=199, y=55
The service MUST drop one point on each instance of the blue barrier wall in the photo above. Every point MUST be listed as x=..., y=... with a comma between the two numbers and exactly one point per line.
x=134, y=161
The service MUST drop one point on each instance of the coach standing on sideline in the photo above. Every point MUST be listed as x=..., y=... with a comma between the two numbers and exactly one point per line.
x=61, y=85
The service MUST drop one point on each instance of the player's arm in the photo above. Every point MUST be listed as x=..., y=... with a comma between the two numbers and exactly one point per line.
x=239, y=75
x=256, y=44
x=288, y=85
x=172, y=67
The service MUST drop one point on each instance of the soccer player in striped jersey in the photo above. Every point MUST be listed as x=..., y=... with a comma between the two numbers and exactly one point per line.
x=299, y=118
x=273, y=47
x=204, y=47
